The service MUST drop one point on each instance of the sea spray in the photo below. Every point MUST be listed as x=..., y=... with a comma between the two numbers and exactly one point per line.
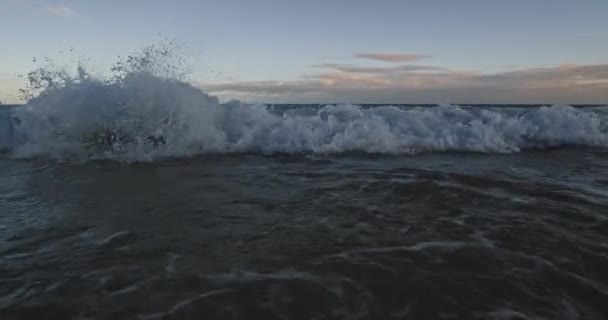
x=147, y=110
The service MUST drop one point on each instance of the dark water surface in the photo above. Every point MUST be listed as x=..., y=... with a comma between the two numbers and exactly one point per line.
x=434, y=236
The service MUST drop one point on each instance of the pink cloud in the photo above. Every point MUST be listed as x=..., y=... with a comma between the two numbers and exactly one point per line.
x=559, y=84
x=391, y=57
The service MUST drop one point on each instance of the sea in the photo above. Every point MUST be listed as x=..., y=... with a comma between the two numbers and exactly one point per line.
x=142, y=197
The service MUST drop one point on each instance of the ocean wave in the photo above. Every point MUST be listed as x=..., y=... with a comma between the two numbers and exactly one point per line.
x=142, y=116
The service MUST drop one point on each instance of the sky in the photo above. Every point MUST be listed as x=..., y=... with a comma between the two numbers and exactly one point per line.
x=383, y=51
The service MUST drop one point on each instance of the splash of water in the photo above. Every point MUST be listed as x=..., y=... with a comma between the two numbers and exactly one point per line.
x=147, y=110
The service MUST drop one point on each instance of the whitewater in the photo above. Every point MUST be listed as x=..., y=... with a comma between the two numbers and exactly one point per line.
x=145, y=112
x=341, y=211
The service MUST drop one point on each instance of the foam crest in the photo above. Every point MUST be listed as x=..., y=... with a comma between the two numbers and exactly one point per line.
x=146, y=112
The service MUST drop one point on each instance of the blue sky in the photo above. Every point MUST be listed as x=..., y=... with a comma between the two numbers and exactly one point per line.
x=313, y=51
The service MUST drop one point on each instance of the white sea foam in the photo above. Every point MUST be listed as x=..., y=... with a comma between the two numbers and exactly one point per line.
x=143, y=114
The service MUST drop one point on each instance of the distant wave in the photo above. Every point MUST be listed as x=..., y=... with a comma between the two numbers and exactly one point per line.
x=143, y=115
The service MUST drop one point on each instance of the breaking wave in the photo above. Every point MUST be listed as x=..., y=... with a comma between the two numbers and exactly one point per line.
x=146, y=111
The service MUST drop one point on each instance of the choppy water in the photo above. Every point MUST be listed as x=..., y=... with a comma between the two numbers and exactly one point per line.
x=434, y=236
x=142, y=197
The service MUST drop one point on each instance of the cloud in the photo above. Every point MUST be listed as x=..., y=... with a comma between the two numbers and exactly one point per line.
x=391, y=57
x=395, y=69
x=406, y=84
x=60, y=11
